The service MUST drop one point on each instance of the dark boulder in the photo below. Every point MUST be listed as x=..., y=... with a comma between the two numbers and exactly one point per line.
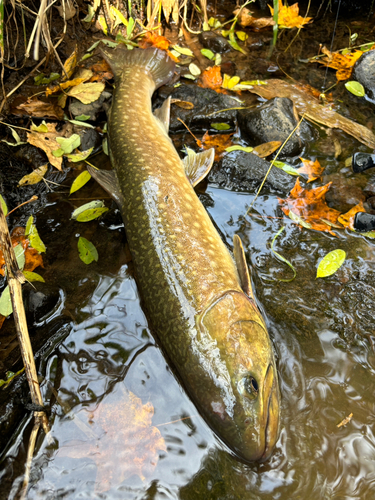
x=213, y=41
x=274, y=121
x=364, y=73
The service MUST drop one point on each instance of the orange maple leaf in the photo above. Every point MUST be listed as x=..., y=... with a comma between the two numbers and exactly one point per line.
x=347, y=220
x=151, y=39
x=312, y=169
x=343, y=63
x=311, y=207
x=33, y=258
x=125, y=444
x=219, y=142
x=211, y=79
x=289, y=18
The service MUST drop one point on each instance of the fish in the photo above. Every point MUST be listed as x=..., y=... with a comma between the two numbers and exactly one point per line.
x=197, y=296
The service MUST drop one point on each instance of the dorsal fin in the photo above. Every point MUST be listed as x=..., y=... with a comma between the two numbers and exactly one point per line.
x=163, y=114
x=243, y=270
x=197, y=165
x=109, y=182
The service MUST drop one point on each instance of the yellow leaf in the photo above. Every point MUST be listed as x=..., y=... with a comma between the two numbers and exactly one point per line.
x=87, y=92
x=312, y=169
x=47, y=142
x=288, y=16
x=70, y=64
x=35, y=176
x=347, y=220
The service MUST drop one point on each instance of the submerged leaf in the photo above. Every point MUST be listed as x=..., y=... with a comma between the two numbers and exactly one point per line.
x=6, y=307
x=331, y=263
x=87, y=206
x=33, y=236
x=35, y=176
x=220, y=126
x=220, y=142
x=312, y=169
x=30, y=276
x=282, y=259
x=80, y=181
x=3, y=205
x=211, y=79
x=91, y=214
x=87, y=251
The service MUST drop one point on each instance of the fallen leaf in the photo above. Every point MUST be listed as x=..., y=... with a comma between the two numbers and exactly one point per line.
x=182, y=104
x=80, y=181
x=35, y=176
x=126, y=443
x=67, y=10
x=347, y=219
x=310, y=206
x=219, y=141
x=151, y=39
x=282, y=259
x=211, y=79
x=346, y=420
x=33, y=277
x=87, y=206
x=266, y=149
x=87, y=251
x=285, y=167
x=47, y=142
x=237, y=147
x=331, y=263
x=87, y=92
x=355, y=88
x=70, y=64
x=310, y=107
x=67, y=145
x=3, y=205
x=33, y=236
x=343, y=63
x=40, y=109
x=101, y=72
x=288, y=16
x=312, y=169
x=64, y=85
x=33, y=259
x=208, y=53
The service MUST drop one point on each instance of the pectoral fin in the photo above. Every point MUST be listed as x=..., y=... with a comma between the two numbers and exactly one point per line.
x=163, y=114
x=197, y=165
x=243, y=270
x=109, y=182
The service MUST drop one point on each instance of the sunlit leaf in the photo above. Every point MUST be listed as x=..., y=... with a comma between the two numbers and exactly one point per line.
x=91, y=214
x=30, y=276
x=288, y=16
x=242, y=35
x=6, y=307
x=39, y=128
x=247, y=149
x=183, y=50
x=220, y=126
x=33, y=236
x=211, y=79
x=282, y=259
x=355, y=88
x=67, y=144
x=194, y=70
x=331, y=263
x=233, y=43
x=3, y=205
x=70, y=64
x=87, y=206
x=35, y=176
x=19, y=252
x=266, y=149
x=208, y=53
x=312, y=169
x=80, y=156
x=347, y=219
x=87, y=92
x=218, y=141
x=342, y=62
x=217, y=59
x=87, y=251
x=80, y=181
x=287, y=168
x=103, y=24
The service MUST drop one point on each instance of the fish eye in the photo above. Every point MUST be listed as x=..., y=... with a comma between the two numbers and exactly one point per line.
x=248, y=387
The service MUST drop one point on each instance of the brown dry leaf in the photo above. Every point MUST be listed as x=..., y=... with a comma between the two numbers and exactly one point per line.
x=312, y=169
x=246, y=19
x=289, y=16
x=182, y=104
x=313, y=110
x=47, y=142
x=127, y=443
x=220, y=142
x=266, y=149
x=33, y=258
x=102, y=71
x=40, y=109
x=64, y=85
x=70, y=64
x=151, y=39
x=310, y=206
x=211, y=79
x=344, y=63
x=167, y=7
x=87, y=92
x=347, y=220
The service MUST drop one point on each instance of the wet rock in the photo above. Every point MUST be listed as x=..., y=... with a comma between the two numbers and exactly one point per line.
x=92, y=110
x=274, y=121
x=90, y=138
x=40, y=301
x=364, y=222
x=213, y=41
x=362, y=162
x=206, y=102
x=240, y=171
x=364, y=73
x=345, y=192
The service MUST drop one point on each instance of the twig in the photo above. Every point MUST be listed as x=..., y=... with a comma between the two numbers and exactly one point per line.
x=272, y=162
x=33, y=198
x=30, y=453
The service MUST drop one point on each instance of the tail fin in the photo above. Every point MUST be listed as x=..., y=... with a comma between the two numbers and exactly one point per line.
x=155, y=61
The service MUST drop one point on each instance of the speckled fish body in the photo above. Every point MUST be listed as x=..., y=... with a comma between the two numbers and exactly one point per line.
x=211, y=331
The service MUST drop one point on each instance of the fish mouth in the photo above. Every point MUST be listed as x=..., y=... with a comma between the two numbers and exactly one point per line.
x=271, y=399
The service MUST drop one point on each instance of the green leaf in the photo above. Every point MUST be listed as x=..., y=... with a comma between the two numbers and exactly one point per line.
x=80, y=124
x=33, y=236
x=86, y=56
x=80, y=181
x=3, y=205
x=248, y=149
x=287, y=168
x=42, y=128
x=87, y=251
x=80, y=156
x=188, y=76
x=355, y=88
x=105, y=146
x=91, y=214
x=45, y=80
x=89, y=17
x=130, y=27
x=217, y=59
x=331, y=263
x=87, y=206
x=369, y=234
x=83, y=118
x=6, y=307
x=20, y=255
x=220, y=126
x=208, y=53
x=33, y=276
x=233, y=43
x=93, y=46
x=10, y=376
x=110, y=44
x=299, y=220
x=68, y=144
x=282, y=259
x=242, y=35
x=29, y=223
x=183, y=50
x=194, y=70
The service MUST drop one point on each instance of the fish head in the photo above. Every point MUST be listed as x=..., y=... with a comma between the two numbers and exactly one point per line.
x=245, y=407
